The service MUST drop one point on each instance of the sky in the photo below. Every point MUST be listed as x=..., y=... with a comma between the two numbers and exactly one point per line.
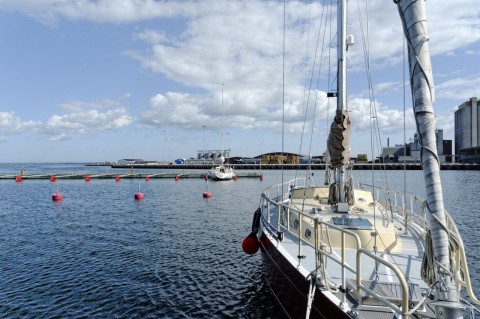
x=103, y=80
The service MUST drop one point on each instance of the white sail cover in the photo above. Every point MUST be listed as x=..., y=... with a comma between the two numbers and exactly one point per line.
x=338, y=143
x=414, y=19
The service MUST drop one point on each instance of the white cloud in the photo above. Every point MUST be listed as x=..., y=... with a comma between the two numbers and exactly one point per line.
x=258, y=23
x=363, y=113
x=151, y=36
x=462, y=88
x=77, y=105
x=452, y=29
x=83, y=118
x=105, y=11
x=176, y=109
x=240, y=42
x=87, y=122
x=220, y=45
x=246, y=109
x=226, y=46
x=472, y=52
x=10, y=124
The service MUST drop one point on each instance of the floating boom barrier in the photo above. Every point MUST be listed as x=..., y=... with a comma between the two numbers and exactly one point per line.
x=117, y=177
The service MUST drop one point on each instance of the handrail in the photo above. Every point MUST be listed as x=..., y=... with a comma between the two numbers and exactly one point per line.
x=345, y=231
x=404, y=310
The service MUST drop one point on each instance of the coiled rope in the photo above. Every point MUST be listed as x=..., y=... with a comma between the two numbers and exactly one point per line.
x=430, y=267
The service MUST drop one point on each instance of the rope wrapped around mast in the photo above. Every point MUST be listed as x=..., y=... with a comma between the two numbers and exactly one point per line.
x=338, y=143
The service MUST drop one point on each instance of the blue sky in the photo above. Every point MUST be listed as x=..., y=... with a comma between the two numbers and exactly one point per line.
x=103, y=80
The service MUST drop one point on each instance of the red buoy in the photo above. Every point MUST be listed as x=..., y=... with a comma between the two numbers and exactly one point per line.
x=206, y=177
x=57, y=197
x=117, y=178
x=261, y=177
x=235, y=177
x=250, y=244
x=147, y=178
x=87, y=178
x=18, y=179
x=53, y=178
x=139, y=196
x=207, y=194
x=177, y=177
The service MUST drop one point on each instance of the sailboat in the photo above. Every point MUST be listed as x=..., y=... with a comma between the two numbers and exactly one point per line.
x=221, y=172
x=351, y=250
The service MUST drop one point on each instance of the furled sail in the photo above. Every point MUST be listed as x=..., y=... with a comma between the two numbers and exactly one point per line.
x=338, y=142
x=413, y=16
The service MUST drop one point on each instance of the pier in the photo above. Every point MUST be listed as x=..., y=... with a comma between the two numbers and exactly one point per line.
x=259, y=167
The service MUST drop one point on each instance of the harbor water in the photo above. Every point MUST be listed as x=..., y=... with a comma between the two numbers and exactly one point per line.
x=99, y=253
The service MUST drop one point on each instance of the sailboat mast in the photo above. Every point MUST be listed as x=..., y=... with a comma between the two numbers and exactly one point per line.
x=222, y=125
x=338, y=142
x=341, y=56
x=341, y=85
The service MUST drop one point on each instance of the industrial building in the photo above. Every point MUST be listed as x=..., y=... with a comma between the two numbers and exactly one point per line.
x=411, y=153
x=209, y=157
x=467, y=125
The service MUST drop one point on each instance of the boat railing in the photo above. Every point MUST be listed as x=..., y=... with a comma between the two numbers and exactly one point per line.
x=281, y=191
x=318, y=244
x=407, y=206
x=404, y=309
x=411, y=208
x=414, y=214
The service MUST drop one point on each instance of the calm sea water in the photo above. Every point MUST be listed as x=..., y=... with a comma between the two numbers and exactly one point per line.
x=101, y=254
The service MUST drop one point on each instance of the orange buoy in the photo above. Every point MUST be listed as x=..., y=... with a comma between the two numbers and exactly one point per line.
x=139, y=196
x=261, y=177
x=18, y=179
x=53, y=178
x=57, y=197
x=147, y=178
x=250, y=244
x=117, y=178
x=177, y=177
x=207, y=194
x=87, y=178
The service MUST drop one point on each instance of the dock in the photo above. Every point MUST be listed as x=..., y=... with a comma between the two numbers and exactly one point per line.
x=259, y=167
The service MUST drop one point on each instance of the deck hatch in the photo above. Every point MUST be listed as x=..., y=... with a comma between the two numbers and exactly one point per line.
x=352, y=222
